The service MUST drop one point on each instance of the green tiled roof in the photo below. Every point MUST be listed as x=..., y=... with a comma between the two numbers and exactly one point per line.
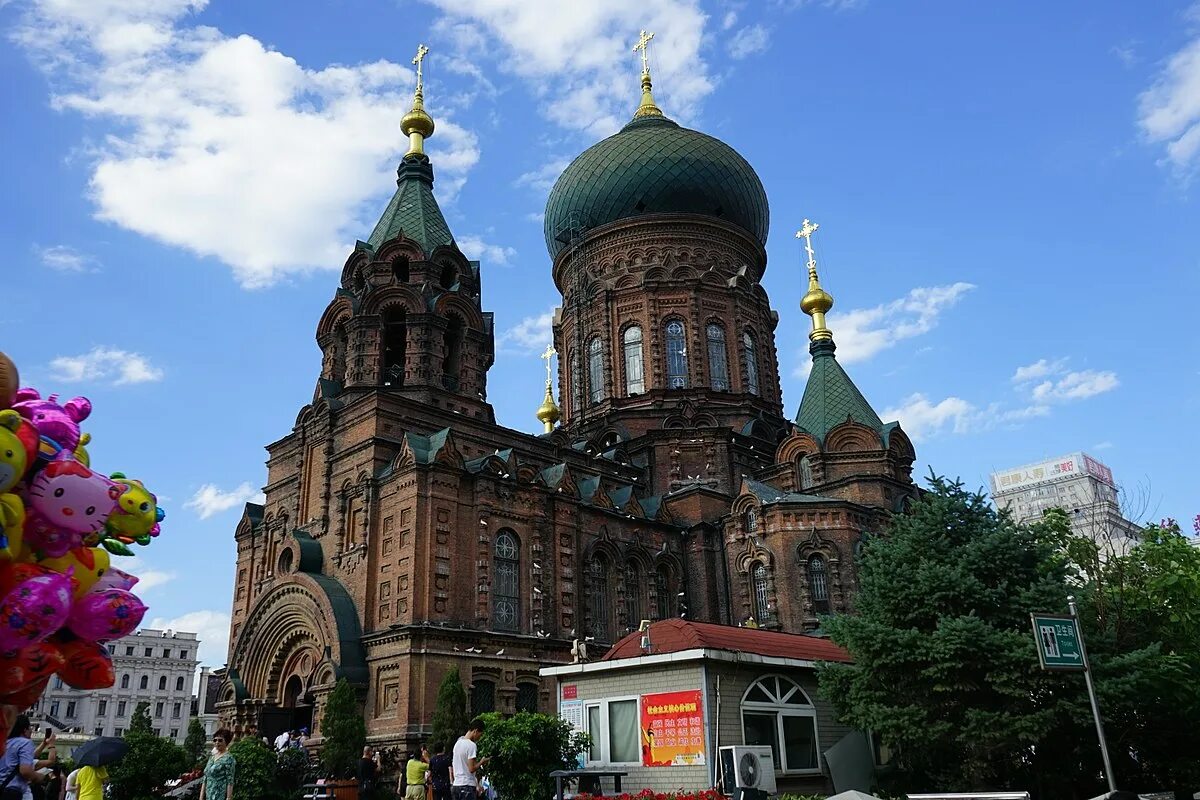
x=766, y=494
x=413, y=211
x=831, y=397
x=653, y=165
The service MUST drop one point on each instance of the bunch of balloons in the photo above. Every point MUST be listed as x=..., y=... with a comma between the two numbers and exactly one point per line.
x=61, y=521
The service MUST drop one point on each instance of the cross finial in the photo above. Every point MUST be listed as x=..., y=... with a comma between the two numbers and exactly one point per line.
x=546, y=356
x=643, y=44
x=422, y=51
x=816, y=301
x=807, y=229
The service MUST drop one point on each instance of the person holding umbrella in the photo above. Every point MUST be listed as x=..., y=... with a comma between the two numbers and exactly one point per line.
x=93, y=760
x=218, y=773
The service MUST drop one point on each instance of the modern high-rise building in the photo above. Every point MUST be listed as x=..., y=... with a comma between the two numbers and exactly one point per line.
x=158, y=667
x=1077, y=483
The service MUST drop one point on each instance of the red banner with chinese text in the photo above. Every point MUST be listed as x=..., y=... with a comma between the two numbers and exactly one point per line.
x=672, y=729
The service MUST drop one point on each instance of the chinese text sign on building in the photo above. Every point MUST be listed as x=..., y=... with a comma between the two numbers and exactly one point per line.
x=672, y=729
x=1057, y=640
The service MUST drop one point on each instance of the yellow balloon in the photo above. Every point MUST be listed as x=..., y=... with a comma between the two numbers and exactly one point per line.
x=12, y=526
x=86, y=574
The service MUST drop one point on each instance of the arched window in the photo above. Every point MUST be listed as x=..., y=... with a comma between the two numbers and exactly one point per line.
x=776, y=712
x=818, y=584
x=162, y=683
x=506, y=582
x=750, y=356
x=179, y=684
x=635, y=375
x=145, y=682
x=633, y=597
x=595, y=371
x=576, y=385
x=598, y=598
x=483, y=696
x=400, y=269
x=452, y=353
x=806, y=475
x=761, y=592
x=750, y=521
x=449, y=276
x=527, y=696
x=662, y=589
x=677, y=371
x=124, y=681
x=395, y=343
x=718, y=364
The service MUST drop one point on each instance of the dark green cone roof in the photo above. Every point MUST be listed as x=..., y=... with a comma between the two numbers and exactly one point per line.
x=413, y=211
x=650, y=166
x=831, y=397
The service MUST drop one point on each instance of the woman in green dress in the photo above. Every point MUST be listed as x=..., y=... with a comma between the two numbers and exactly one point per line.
x=218, y=773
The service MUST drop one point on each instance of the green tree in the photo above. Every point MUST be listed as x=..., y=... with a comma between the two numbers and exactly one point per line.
x=343, y=732
x=195, y=741
x=450, y=718
x=945, y=670
x=140, y=723
x=149, y=764
x=524, y=749
x=256, y=771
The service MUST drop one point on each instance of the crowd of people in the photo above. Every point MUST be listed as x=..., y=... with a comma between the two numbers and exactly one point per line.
x=455, y=775
x=32, y=772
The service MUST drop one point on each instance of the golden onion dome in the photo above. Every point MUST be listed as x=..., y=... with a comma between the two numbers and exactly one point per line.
x=816, y=301
x=548, y=412
x=417, y=121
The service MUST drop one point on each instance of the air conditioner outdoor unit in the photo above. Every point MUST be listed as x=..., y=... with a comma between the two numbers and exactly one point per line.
x=747, y=771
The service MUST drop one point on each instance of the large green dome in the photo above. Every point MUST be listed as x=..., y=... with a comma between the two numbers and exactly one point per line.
x=652, y=166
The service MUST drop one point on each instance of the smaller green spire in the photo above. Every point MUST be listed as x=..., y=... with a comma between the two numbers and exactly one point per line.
x=830, y=397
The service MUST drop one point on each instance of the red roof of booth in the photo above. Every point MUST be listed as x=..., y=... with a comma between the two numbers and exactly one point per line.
x=674, y=635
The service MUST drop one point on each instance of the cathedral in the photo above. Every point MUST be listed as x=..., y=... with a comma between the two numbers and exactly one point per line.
x=405, y=531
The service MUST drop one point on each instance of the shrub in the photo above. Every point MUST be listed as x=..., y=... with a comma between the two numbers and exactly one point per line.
x=524, y=749
x=194, y=743
x=256, y=776
x=149, y=764
x=343, y=732
x=450, y=717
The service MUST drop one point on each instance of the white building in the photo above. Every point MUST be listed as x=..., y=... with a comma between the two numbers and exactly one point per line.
x=1076, y=483
x=158, y=667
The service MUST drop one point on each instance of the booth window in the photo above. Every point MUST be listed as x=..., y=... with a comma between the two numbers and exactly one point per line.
x=613, y=727
x=777, y=712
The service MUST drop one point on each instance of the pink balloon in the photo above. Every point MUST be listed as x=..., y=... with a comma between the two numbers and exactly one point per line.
x=115, y=579
x=107, y=614
x=33, y=610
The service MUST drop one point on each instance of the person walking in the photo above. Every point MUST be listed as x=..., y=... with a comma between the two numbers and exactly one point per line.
x=219, y=772
x=72, y=786
x=416, y=774
x=465, y=761
x=91, y=782
x=439, y=772
x=19, y=768
x=366, y=773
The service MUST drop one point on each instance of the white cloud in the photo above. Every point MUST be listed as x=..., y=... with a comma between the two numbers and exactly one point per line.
x=862, y=332
x=1126, y=53
x=748, y=41
x=210, y=627
x=221, y=145
x=63, y=258
x=542, y=179
x=106, y=364
x=1038, y=369
x=921, y=419
x=148, y=577
x=210, y=500
x=1169, y=111
x=530, y=335
x=729, y=20
x=476, y=248
x=578, y=56
x=1076, y=386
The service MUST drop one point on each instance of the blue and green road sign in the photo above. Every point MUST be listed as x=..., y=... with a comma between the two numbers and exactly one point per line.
x=1057, y=638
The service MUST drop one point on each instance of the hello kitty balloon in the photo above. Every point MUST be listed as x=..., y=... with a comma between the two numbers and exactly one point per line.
x=68, y=504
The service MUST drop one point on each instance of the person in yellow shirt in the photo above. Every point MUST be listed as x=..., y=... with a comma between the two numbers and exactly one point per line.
x=91, y=782
x=416, y=773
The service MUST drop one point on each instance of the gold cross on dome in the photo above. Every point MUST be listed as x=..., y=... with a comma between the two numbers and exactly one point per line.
x=643, y=44
x=422, y=51
x=807, y=229
x=546, y=356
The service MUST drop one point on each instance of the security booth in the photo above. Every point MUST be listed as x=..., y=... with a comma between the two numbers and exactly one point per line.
x=662, y=703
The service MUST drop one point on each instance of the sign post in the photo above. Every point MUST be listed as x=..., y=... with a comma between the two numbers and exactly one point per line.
x=1060, y=648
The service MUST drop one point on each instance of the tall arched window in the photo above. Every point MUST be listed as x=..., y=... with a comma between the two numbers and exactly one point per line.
x=452, y=353
x=761, y=592
x=400, y=269
x=576, y=385
x=662, y=589
x=598, y=597
x=635, y=376
x=506, y=582
x=718, y=363
x=395, y=342
x=818, y=584
x=179, y=684
x=750, y=356
x=633, y=596
x=162, y=683
x=777, y=712
x=750, y=520
x=124, y=681
x=145, y=682
x=449, y=276
x=806, y=474
x=677, y=371
x=595, y=371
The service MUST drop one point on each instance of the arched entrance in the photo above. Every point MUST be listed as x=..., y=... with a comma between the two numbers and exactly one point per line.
x=299, y=702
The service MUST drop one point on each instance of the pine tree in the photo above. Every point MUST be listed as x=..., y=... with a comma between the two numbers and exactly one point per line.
x=450, y=717
x=195, y=741
x=140, y=723
x=343, y=732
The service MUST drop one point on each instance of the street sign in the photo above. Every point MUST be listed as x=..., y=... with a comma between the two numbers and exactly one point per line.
x=1057, y=638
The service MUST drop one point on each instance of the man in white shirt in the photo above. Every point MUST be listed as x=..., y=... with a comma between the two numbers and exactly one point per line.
x=282, y=740
x=463, y=783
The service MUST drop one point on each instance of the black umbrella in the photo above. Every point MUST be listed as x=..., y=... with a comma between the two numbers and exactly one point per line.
x=100, y=752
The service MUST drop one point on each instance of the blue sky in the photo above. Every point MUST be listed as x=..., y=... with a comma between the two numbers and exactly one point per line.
x=1006, y=193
